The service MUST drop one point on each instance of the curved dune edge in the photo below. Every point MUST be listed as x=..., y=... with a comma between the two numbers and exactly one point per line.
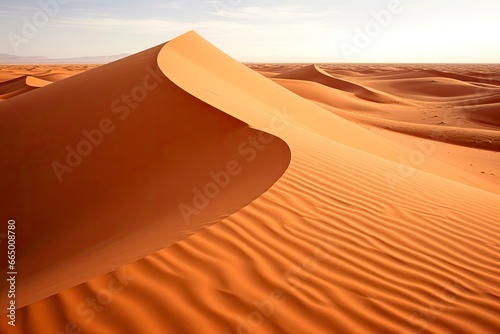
x=157, y=169
x=345, y=106
x=476, y=138
x=449, y=126
x=266, y=105
x=486, y=113
x=331, y=247
x=37, y=82
x=20, y=85
x=316, y=74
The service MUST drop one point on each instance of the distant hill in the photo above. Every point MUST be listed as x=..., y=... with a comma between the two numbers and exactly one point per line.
x=7, y=59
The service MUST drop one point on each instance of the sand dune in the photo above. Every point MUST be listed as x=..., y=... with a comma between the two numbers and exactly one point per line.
x=18, y=86
x=485, y=113
x=139, y=152
x=314, y=73
x=436, y=88
x=18, y=79
x=332, y=227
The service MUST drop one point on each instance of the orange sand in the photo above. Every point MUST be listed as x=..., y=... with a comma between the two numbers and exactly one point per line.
x=351, y=198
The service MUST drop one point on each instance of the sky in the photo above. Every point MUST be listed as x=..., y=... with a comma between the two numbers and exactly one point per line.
x=334, y=31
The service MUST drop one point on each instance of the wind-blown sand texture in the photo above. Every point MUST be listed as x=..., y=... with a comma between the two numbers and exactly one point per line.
x=334, y=198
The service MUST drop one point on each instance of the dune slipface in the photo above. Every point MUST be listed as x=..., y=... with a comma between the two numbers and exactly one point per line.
x=344, y=232
x=117, y=163
x=14, y=87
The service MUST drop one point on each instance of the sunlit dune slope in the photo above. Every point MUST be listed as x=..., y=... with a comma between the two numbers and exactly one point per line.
x=116, y=163
x=316, y=74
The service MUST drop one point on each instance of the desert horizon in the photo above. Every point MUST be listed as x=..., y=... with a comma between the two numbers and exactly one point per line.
x=184, y=181
x=408, y=132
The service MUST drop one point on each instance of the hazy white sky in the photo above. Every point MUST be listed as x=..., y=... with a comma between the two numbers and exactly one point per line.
x=280, y=31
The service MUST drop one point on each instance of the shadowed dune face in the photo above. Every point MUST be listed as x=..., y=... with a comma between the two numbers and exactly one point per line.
x=361, y=206
x=119, y=164
x=456, y=108
x=315, y=74
x=19, y=79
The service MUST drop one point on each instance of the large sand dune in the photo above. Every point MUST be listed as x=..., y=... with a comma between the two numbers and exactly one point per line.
x=87, y=169
x=340, y=204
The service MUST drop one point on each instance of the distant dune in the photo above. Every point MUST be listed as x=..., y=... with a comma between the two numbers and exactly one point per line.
x=179, y=191
x=6, y=59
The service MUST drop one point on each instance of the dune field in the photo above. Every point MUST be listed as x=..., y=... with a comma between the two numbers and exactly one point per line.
x=179, y=191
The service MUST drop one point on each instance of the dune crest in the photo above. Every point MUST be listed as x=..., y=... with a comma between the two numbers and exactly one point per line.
x=119, y=170
x=341, y=236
